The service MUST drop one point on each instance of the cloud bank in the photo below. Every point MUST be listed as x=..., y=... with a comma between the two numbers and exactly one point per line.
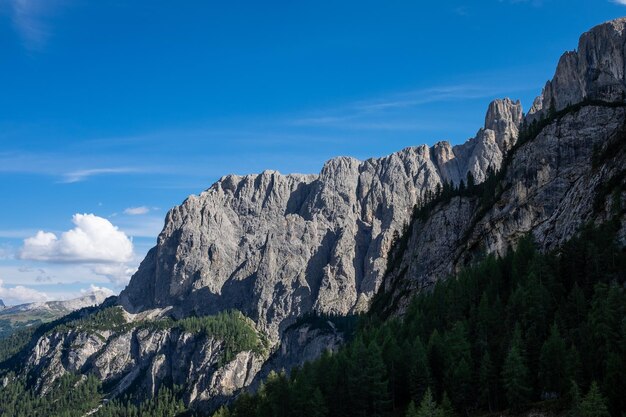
x=20, y=294
x=93, y=240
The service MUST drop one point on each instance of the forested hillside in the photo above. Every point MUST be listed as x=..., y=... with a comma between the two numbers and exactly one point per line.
x=528, y=330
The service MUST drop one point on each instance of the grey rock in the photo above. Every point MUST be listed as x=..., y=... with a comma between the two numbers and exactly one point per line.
x=594, y=71
x=278, y=246
x=549, y=191
x=145, y=357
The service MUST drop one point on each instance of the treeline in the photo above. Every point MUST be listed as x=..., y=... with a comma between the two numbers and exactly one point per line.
x=234, y=329
x=529, y=329
x=165, y=404
x=76, y=396
x=71, y=396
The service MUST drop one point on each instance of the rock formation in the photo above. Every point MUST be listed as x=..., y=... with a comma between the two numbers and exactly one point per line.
x=278, y=246
x=594, y=72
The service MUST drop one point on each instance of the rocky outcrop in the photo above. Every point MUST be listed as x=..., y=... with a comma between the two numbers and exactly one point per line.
x=142, y=358
x=593, y=72
x=551, y=189
x=278, y=246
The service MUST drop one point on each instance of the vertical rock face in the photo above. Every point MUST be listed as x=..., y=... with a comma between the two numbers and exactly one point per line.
x=277, y=246
x=551, y=189
x=595, y=71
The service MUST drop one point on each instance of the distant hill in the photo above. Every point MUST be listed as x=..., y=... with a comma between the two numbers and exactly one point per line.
x=23, y=315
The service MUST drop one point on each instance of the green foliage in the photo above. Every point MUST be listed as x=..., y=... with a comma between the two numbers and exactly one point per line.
x=70, y=396
x=428, y=407
x=12, y=344
x=165, y=404
x=232, y=327
x=75, y=396
x=111, y=318
x=500, y=335
x=515, y=378
x=594, y=404
x=553, y=365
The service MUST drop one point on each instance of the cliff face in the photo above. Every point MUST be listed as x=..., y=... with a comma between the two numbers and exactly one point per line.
x=594, y=72
x=551, y=189
x=278, y=246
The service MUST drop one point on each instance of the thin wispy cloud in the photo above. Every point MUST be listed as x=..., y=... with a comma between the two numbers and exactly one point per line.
x=67, y=168
x=82, y=175
x=31, y=19
x=361, y=115
x=137, y=211
x=621, y=2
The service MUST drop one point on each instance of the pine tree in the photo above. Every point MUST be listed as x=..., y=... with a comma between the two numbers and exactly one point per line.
x=487, y=378
x=459, y=365
x=471, y=182
x=594, y=404
x=411, y=411
x=437, y=361
x=428, y=406
x=552, y=371
x=420, y=372
x=446, y=409
x=515, y=377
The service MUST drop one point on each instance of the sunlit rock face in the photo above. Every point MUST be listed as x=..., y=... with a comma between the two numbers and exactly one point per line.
x=276, y=246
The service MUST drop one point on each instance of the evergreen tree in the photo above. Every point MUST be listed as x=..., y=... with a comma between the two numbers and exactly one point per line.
x=420, y=372
x=515, y=377
x=593, y=404
x=553, y=369
x=437, y=360
x=411, y=411
x=446, y=409
x=428, y=406
x=487, y=381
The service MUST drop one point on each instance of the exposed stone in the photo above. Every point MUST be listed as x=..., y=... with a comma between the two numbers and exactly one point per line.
x=595, y=71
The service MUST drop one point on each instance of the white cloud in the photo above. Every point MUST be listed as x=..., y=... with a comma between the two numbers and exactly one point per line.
x=94, y=288
x=20, y=294
x=134, y=211
x=622, y=2
x=93, y=240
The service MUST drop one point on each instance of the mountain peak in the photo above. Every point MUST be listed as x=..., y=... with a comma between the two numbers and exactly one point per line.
x=595, y=71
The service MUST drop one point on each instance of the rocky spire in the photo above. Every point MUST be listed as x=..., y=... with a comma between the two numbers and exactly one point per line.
x=595, y=71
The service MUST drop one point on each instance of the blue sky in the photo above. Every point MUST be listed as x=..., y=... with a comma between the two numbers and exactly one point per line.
x=121, y=109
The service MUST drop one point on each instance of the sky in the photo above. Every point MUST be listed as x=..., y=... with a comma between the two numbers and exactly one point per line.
x=112, y=112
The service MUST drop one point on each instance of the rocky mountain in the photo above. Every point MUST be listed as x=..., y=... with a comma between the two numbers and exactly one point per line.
x=16, y=317
x=276, y=247
x=595, y=71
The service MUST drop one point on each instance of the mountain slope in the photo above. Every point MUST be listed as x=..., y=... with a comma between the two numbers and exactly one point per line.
x=19, y=316
x=277, y=247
